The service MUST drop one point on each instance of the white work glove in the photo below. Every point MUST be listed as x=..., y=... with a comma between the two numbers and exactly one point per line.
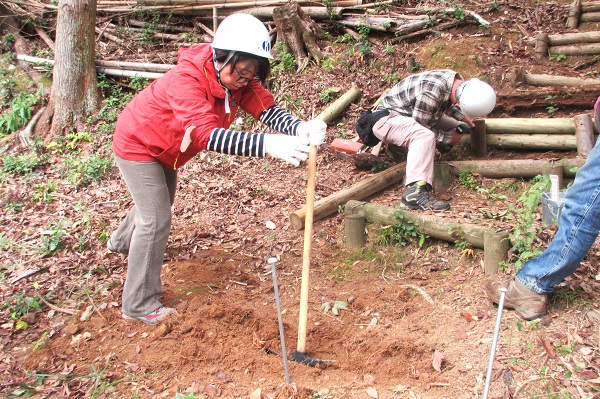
x=292, y=149
x=314, y=130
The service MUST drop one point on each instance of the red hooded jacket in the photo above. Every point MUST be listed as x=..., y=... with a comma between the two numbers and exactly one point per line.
x=152, y=125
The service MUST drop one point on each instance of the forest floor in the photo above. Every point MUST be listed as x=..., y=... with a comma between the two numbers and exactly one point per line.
x=418, y=323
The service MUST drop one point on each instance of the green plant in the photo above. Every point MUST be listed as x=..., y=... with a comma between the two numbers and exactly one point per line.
x=364, y=47
x=83, y=171
x=557, y=57
x=392, y=78
x=42, y=192
x=20, y=112
x=390, y=50
x=326, y=95
x=21, y=164
x=403, y=232
x=467, y=181
x=284, y=60
x=328, y=64
x=188, y=396
x=524, y=233
x=53, y=234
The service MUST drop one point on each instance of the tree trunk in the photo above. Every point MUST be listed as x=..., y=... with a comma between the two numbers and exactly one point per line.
x=75, y=93
x=298, y=32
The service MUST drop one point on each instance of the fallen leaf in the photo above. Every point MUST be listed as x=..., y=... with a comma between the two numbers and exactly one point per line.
x=438, y=358
x=372, y=392
x=548, y=348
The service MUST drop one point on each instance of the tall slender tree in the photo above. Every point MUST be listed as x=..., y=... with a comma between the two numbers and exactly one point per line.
x=75, y=94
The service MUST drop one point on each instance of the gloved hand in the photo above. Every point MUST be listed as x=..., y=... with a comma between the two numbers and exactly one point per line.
x=463, y=128
x=292, y=149
x=314, y=130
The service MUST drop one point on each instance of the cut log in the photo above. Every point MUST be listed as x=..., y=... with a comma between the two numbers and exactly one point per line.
x=576, y=49
x=543, y=142
x=358, y=191
x=589, y=17
x=518, y=76
x=339, y=106
x=529, y=126
x=525, y=168
x=590, y=6
x=434, y=226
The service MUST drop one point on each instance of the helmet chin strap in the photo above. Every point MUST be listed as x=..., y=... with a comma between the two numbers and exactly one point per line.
x=216, y=64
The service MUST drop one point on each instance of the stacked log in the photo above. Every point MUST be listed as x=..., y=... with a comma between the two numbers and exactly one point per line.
x=563, y=134
x=580, y=12
x=582, y=43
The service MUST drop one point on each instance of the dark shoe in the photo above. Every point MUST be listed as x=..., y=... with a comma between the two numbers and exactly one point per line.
x=153, y=317
x=418, y=196
x=526, y=302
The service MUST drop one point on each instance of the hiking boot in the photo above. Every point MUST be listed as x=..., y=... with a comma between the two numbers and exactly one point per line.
x=153, y=317
x=418, y=196
x=529, y=304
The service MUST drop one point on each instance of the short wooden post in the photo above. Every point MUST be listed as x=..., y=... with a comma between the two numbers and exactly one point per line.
x=574, y=13
x=354, y=227
x=479, y=139
x=495, y=250
x=442, y=177
x=517, y=76
x=584, y=134
x=541, y=45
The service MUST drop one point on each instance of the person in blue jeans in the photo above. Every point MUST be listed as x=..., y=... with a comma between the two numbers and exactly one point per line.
x=579, y=226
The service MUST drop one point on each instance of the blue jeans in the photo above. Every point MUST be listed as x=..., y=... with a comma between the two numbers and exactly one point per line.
x=578, y=228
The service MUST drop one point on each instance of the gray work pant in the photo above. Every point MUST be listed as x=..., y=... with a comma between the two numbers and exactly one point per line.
x=144, y=232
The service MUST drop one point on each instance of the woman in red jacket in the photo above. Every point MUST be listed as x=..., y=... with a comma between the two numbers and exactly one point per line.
x=188, y=110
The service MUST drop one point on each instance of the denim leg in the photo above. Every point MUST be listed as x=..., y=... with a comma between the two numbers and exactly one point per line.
x=578, y=228
x=147, y=225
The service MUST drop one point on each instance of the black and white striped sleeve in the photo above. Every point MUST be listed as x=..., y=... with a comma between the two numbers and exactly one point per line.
x=280, y=120
x=236, y=143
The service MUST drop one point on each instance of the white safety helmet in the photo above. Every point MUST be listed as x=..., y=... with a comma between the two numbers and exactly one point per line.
x=243, y=32
x=476, y=98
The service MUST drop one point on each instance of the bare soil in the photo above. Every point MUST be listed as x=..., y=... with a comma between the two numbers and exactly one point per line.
x=418, y=324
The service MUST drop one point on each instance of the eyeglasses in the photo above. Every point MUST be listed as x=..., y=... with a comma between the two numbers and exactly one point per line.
x=242, y=78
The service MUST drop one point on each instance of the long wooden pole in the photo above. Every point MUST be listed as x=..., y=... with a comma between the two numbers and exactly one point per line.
x=304, y=289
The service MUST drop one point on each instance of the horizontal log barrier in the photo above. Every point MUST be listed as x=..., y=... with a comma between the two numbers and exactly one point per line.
x=495, y=244
x=530, y=126
x=363, y=189
x=562, y=134
x=542, y=142
x=525, y=168
x=518, y=76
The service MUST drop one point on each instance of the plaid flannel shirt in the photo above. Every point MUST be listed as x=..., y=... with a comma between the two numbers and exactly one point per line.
x=425, y=97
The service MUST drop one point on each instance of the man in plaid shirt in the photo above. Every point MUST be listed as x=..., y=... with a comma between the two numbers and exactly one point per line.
x=426, y=109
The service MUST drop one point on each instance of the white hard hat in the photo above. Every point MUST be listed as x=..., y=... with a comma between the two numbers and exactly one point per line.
x=243, y=32
x=476, y=98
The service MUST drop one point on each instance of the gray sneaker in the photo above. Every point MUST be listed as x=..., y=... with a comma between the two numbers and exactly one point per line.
x=153, y=317
x=526, y=302
x=418, y=196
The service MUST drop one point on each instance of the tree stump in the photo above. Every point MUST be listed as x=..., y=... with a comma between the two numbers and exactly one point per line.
x=298, y=31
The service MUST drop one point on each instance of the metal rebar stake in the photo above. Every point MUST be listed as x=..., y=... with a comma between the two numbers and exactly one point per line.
x=273, y=263
x=488, y=377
